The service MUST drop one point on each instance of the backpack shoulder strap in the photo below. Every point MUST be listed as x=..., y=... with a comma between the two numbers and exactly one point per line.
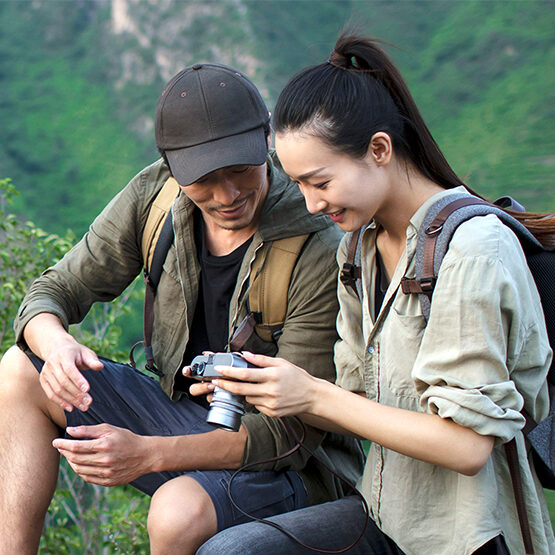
x=157, y=238
x=156, y=217
x=350, y=274
x=436, y=231
x=269, y=283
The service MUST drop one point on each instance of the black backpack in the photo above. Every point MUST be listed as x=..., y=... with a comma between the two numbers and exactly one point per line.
x=439, y=224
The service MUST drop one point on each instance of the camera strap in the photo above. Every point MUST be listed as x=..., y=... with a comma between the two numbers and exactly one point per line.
x=299, y=444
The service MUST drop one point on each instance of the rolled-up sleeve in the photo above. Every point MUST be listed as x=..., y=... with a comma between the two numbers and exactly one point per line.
x=485, y=311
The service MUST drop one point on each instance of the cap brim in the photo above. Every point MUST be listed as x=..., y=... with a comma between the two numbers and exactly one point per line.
x=190, y=164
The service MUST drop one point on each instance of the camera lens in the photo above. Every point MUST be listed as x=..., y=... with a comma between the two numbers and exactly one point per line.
x=226, y=410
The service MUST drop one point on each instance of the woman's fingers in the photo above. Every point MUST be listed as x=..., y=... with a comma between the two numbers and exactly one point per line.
x=244, y=374
x=263, y=361
x=241, y=387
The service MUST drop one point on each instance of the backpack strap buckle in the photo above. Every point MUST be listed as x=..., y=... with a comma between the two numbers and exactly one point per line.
x=349, y=274
x=424, y=285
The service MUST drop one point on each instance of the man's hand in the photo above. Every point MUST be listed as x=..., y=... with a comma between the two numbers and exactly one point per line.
x=109, y=456
x=63, y=358
x=61, y=378
x=199, y=388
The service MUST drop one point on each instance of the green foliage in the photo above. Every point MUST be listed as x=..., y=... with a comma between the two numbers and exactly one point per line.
x=82, y=516
x=550, y=498
x=75, y=128
x=78, y=100
x=86, y=519
x=61, y=141
x=102, y=329
x=485, y=84
x=25, y=250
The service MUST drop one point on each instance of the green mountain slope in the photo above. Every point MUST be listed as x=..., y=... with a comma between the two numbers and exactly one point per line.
x=80, y=79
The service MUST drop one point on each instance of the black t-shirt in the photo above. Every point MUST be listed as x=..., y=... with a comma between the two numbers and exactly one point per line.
x=381, y=285
x=218, y=277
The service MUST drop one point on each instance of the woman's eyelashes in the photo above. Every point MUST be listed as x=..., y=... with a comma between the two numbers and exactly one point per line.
x=315, y=185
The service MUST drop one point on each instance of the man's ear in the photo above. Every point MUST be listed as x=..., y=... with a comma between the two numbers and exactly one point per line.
x=163, y=155
x=380, y=148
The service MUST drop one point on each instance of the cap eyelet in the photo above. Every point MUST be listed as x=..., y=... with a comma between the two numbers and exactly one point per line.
x=222, y=84
x=183, y=94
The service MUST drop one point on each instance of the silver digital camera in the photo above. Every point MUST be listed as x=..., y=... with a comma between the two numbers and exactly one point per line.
x=226, y=409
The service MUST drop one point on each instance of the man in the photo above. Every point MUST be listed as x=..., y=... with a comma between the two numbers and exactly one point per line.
x=123, y=427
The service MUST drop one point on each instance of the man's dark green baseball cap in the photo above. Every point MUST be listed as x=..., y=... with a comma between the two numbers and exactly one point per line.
x=210, y=116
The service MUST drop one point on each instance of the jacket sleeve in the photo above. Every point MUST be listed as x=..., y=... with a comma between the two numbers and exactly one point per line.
x=307, y=341
x=101, y=265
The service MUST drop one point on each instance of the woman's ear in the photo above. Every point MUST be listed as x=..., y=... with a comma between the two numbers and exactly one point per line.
x=380, y=149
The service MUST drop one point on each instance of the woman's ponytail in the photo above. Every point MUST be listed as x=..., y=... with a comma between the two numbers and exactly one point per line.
x=358, y=92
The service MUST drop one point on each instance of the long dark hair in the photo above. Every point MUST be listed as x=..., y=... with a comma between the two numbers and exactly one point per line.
x=359, y=92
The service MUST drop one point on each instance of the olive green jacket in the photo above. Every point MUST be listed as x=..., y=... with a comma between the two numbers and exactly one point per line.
x=109, y=257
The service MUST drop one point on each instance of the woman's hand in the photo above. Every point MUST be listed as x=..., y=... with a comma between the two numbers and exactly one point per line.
x=276, y=388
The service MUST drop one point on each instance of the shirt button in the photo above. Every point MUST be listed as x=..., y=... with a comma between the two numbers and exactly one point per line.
x=371, y=350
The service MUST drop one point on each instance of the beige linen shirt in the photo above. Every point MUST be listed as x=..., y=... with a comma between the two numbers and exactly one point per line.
x=483, y=353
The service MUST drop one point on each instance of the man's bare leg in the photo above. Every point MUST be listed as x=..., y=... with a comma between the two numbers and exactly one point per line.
x=28, y=462
x=181, y=517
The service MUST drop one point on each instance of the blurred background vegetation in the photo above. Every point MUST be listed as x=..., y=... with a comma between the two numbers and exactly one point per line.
x=80, y=80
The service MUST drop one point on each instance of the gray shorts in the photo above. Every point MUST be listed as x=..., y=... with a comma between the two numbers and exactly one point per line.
x=124, y=397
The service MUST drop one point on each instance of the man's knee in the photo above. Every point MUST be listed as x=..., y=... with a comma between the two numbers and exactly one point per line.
x=20, y=385
x=17, y=372
x=181, y=514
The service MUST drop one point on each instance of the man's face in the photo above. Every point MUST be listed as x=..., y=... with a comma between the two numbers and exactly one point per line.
x=231, y=198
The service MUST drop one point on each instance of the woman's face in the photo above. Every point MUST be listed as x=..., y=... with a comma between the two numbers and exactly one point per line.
x=351, y=191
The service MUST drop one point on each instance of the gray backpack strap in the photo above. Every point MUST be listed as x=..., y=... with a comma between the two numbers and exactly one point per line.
x=436, y=231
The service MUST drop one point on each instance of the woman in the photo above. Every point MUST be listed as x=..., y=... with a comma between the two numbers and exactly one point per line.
x=439, y=399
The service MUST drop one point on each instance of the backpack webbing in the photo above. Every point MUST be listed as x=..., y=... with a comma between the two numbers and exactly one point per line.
x=158, y=211
x=269, y=284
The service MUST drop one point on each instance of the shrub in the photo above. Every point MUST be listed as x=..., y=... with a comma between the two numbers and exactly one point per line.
x=82, y=518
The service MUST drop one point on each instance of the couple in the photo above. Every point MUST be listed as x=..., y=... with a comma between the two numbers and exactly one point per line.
x=437, y=401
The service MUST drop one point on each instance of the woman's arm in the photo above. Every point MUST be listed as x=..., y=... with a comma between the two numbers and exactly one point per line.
x=279, y=388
